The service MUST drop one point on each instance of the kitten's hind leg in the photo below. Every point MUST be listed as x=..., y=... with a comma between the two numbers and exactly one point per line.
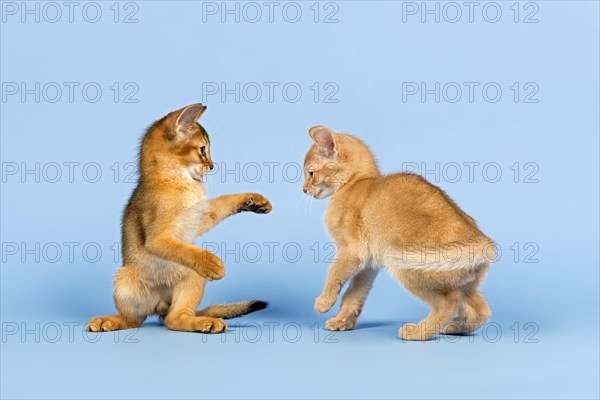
x=473, y=312
x=162, y=309
x=353, y=301
x=443, y=307
x=187, y=294
x=133, y=300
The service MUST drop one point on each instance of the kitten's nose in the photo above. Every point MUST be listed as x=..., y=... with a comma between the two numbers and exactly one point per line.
x=305, y=190
x=211, y=166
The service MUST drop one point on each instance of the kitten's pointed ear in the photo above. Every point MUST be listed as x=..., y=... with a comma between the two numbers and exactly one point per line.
x=324, y=138
x=189, y=115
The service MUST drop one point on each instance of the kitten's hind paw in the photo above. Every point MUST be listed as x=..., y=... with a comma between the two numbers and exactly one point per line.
x=109, y=323
x=416, y=332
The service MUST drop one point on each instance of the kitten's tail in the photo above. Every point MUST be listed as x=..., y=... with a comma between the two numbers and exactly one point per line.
x=233, y=310
x=464, y=254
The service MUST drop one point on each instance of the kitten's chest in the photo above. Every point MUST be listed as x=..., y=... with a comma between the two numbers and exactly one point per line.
x=188, y=220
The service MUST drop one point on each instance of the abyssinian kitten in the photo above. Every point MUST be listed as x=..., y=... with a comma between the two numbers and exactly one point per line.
x=400, y=222
x=163, y=272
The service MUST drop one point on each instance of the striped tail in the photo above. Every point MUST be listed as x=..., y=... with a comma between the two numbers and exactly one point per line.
x=233, y=310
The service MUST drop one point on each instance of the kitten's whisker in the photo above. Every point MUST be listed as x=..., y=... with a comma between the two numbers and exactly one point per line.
x=300, y=200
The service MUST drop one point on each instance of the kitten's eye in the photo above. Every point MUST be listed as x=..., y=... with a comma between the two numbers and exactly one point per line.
x=311, y=173
x=203, y=151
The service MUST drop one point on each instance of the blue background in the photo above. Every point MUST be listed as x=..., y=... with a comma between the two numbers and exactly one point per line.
x=550, y=298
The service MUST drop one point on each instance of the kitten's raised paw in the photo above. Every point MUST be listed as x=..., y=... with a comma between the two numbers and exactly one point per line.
x=324, y=303
x=257, y=203
x=340, y=324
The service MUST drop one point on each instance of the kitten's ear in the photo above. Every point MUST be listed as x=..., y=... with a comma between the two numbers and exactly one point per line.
x=324, y=138
x=189, y=115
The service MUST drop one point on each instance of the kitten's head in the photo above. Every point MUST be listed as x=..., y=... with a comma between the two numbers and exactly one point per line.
x=334, y=160
x=179, y=142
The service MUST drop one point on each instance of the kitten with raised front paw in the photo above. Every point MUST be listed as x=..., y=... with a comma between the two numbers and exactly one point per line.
x=402, y=223
x=163, y=272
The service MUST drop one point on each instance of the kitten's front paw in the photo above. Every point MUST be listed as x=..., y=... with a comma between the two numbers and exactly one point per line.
x=340, y=324
x=256, y=203
x=324, y=303
x=211, y=267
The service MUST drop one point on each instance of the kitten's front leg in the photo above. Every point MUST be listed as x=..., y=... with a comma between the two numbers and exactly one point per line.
x=353, y=300
x=230, y=204
x=342, y=269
